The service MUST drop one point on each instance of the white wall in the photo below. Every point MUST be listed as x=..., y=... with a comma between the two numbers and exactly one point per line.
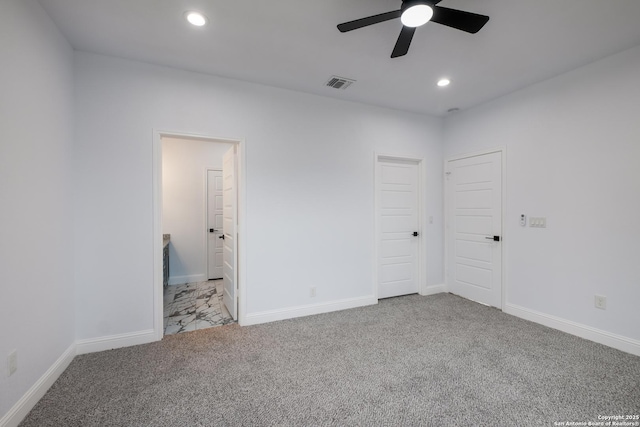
x=184, y=179
x=309, y=186
x=36, y=231
x=573, y=156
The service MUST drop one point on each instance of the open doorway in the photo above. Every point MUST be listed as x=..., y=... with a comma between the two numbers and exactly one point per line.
x=196, y=212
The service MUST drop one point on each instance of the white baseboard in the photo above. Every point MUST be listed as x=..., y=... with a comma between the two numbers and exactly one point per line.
x=193, y=278
x=20, y=410
x=597, y=335
x=306, y=310
x=115, y=341
x=434, y=289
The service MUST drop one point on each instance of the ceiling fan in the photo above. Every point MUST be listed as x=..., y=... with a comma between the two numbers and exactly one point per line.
x=414, y=13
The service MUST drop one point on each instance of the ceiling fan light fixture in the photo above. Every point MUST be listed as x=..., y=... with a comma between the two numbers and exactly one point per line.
x=196, y=18
x=416, y=14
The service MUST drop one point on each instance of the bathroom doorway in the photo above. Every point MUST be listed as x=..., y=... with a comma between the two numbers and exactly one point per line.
x=187, y=299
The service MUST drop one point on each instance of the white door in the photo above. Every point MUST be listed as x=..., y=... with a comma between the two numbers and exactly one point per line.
x=398, y=219
x=474, y=228
x=229, y=201
x=214, y=224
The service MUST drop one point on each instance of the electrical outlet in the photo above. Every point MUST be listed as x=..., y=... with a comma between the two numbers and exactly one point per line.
x=12, y=363
x=312, y=292
x=600, y=302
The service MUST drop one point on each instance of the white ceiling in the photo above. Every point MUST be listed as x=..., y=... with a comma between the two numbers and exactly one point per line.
x=295, y=44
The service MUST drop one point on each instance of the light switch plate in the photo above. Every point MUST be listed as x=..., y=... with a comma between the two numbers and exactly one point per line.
x=12, y=363
x=538, y=222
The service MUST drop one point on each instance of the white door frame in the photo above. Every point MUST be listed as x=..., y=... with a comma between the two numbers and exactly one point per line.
x=422, y=221
x=503, y=238
x=206, y=212
x=158, y=305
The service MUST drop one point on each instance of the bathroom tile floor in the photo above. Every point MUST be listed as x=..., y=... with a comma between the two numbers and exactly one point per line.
x=194, y=306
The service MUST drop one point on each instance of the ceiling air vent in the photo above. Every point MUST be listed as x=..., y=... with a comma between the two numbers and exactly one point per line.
x=339, y=82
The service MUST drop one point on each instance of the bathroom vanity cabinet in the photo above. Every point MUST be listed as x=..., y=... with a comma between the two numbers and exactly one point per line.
x=165, y=259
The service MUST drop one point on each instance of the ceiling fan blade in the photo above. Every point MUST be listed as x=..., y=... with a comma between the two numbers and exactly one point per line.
x=465, y=21
x=404, y=41
x=370, y=20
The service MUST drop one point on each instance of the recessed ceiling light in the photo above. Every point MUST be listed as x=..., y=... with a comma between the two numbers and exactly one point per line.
x=416, y=13
x=443, y=82
x=196, y=18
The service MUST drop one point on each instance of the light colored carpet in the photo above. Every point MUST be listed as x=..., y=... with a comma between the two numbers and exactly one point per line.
x=415, y=361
